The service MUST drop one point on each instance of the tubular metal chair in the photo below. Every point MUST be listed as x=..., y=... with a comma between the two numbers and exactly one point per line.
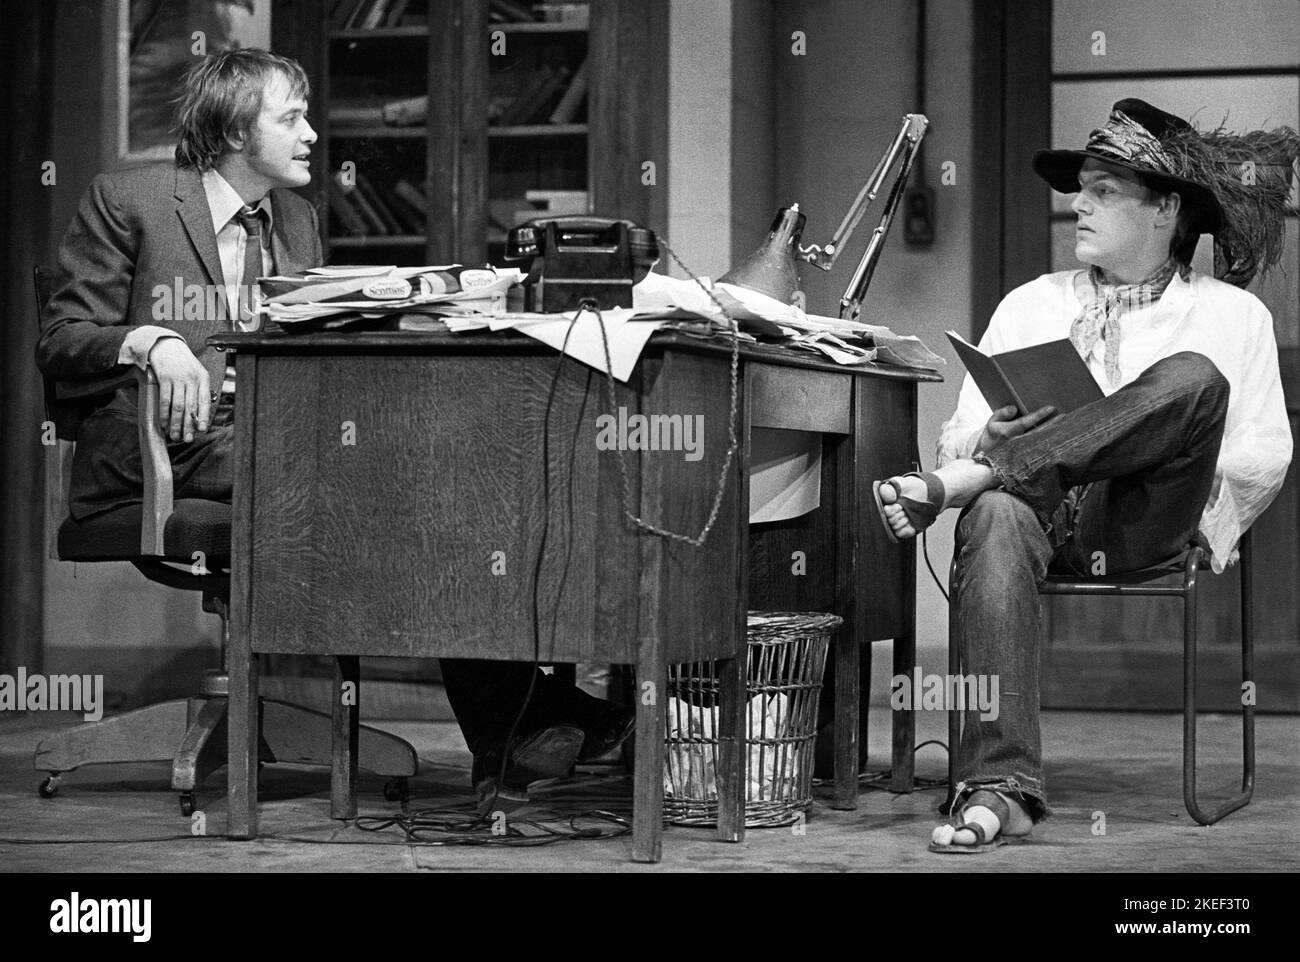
x=184, y=544
x=1144, y=583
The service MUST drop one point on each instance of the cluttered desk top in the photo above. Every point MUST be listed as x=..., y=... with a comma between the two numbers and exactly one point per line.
x=511, y=342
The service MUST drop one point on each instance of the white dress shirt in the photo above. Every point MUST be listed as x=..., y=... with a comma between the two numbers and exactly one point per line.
x=1228, y=325
x=224, y=203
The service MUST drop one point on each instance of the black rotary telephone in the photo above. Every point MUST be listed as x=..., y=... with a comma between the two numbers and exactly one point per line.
x=578, y=257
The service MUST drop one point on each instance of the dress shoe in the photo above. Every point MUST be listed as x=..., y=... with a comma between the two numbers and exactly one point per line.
x=546, y=753
x=614, y=726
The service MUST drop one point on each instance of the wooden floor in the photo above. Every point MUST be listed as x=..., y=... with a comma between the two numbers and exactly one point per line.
x=1125, y=766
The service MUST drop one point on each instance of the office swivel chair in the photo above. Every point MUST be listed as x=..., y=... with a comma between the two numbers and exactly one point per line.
x=184, y=544
x=1154, y=581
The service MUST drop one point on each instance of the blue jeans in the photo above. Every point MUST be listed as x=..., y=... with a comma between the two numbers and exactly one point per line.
x=1127, y=476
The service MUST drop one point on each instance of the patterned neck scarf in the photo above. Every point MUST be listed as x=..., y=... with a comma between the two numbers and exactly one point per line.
x=1107, y=304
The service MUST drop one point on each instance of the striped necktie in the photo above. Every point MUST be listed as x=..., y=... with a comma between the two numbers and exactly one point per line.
x=251, y=220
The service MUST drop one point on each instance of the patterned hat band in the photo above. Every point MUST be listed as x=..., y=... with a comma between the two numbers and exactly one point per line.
x=1126, y=140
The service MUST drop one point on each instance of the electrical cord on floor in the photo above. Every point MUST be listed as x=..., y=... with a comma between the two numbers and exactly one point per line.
x=879, y=780
x=439, y=827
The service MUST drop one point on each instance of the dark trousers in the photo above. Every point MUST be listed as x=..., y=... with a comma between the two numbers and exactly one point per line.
x=1120, y=482
x=107, y=471
x=486, y=695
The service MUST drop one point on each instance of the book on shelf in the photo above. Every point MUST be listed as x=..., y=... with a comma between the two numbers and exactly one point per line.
x=528, y=107
x=358, y=12
x=341, y=13
x=552, y=203
x=567, y=108
x=375, y=14
x=353, y=114
x=413, y=221
x=375, y=198
x=344, y=210
x=503, y=213
x=361, y=13
x=395, y=15
x=510, y=11
x=361, y=202
x=413, y=197
x=573, y=14
x=1031, y=377
x=405, y=112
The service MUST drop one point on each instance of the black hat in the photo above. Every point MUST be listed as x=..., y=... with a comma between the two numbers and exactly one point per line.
x=1145, y=140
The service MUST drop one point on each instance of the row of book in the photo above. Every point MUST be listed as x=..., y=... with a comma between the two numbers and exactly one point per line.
x=372, y=14
x=552, y=96
x=404, y=112
x=361, y=208
x=513, y=11
x=508, y=212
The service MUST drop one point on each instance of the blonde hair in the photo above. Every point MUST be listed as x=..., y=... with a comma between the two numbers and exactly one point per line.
x=222, y=98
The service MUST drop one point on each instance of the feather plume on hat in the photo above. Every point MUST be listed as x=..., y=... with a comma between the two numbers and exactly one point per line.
x=1251, y=175
x=1234, y=186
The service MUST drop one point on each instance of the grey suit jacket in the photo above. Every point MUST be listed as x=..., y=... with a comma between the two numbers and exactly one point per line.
x=135, y=230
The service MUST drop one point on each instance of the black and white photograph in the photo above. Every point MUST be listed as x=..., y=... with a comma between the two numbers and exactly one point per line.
x=651, y=436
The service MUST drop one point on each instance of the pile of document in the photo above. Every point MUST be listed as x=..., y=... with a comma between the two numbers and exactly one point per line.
x=330, y=297
x=463, y=300
x=700, y=308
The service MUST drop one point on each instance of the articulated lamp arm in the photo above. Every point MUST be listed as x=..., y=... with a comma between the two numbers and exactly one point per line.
x=905, y=145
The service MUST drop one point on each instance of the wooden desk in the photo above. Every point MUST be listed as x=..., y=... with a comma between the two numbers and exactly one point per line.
x=390, y=499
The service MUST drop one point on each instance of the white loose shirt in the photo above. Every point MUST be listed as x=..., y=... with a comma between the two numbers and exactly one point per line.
x=1229, y=326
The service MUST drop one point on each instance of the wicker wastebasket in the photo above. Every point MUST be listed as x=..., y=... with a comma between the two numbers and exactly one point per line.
x=787, y=655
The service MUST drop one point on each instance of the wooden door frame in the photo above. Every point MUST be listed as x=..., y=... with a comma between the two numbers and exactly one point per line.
x=28, y=46
x=1010, y=110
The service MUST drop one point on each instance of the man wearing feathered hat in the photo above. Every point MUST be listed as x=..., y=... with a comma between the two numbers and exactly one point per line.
x=1191, y=439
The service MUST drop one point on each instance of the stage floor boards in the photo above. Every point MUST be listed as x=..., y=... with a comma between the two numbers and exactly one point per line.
x=1127, y=766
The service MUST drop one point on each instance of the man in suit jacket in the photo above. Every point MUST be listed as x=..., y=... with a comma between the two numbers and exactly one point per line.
x=160, y=258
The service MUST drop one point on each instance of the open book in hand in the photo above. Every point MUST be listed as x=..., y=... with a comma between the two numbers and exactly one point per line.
x=1030, y=378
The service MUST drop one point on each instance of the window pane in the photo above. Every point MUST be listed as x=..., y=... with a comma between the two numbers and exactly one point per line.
x=1173, y=34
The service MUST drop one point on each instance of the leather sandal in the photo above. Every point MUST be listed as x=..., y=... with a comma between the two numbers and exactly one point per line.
x=941, y=841
x=920, y=514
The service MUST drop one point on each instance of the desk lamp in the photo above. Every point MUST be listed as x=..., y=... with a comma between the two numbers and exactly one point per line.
x=771, y=270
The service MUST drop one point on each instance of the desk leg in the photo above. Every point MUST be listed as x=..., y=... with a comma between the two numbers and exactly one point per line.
x=732, y=753
x=243, y=719
x=849, y=720
x=242, y=733
x=343, y=766
x=648, y=770
x=904, y=729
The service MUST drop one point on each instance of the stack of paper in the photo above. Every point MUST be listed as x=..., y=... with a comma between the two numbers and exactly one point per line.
x=375, y=291
x=660, y=301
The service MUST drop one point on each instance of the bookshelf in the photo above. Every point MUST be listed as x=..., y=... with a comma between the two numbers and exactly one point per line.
x=445, y=122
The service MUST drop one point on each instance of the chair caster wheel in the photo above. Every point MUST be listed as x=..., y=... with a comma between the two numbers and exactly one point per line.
x=49, y=788
x=187, y=804
x=396, y=790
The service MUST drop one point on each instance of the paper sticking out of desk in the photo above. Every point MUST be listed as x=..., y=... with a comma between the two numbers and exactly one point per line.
x=577, y=334
x=785, y=474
